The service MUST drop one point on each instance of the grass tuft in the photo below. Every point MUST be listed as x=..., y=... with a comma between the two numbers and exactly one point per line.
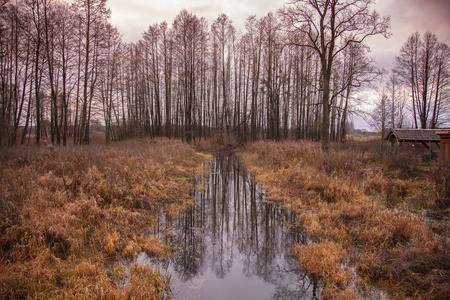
x=322, y=261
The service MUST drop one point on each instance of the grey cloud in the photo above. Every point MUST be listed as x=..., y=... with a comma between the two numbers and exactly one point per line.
x=136, y=15
x=407, y=17
x=132, y=17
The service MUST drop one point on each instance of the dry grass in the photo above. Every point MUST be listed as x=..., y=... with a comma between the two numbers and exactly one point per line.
x=349, y=199
x=216, y=144
x=323, y=260
x=66, y=212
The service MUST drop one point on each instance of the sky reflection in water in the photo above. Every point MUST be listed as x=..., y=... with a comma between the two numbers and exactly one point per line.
x=232, y=244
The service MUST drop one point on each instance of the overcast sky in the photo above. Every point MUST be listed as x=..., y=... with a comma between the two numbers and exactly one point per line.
x=132, y=17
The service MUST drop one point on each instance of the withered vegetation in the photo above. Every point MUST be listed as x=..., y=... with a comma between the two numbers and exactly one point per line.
x=386, y=220
x=67, y=213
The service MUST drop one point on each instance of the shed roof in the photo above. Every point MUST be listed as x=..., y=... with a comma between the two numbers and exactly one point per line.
x=414, y=135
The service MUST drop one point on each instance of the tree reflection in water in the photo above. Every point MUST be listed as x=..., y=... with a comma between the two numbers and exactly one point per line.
x=232, y=244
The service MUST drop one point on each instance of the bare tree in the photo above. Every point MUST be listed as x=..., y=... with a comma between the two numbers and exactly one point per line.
x=379, y=117
x=255, y=30
x=396, y=91
x=36, y=12
x=189, y=31
x=357, y=71
x=222, y=36
x=109, y=83
x=330, y=27
x=167, y=49
x=423, y=65
x=93, y=14
x=3, y=3
x=16, y=63
x=442, y=85
x=272, y=75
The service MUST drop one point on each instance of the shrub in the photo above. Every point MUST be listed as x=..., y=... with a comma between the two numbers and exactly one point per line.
x=441, y=180
x=424, y=273
x=406, y=164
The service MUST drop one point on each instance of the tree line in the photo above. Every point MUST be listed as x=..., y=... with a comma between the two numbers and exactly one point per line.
x=295, y=74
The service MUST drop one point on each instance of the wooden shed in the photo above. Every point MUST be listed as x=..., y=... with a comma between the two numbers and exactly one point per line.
x=396, y=137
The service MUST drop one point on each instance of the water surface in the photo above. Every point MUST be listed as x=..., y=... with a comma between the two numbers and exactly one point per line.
x=232, y=244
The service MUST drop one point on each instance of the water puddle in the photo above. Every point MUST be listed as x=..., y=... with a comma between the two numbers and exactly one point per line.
x=232, y=244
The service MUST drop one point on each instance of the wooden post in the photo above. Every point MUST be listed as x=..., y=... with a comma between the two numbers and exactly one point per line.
x=445, y=145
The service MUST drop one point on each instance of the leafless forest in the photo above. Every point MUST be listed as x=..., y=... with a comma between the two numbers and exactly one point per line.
x=295, y=73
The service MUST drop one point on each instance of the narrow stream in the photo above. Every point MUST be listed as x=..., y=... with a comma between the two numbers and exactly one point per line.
x=232, y=244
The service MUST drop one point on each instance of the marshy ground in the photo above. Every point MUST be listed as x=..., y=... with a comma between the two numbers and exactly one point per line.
x=386, y=221
x=66, y=213
x=69, y=214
